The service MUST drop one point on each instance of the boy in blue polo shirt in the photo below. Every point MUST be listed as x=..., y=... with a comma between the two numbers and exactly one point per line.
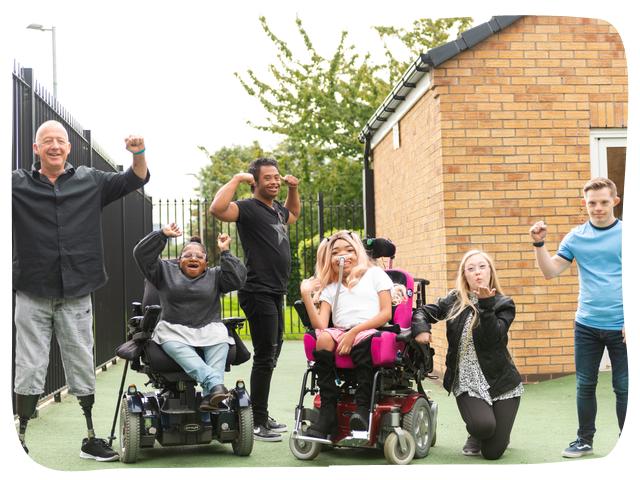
x=597, y=247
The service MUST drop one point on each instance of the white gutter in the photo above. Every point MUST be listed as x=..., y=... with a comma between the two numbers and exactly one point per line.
x=414, y=95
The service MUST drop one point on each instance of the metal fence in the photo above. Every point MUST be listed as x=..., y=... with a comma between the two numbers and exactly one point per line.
x=317, y=219
x=124, y=222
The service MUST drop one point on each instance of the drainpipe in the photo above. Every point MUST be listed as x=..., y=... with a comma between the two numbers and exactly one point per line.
x=368, y=193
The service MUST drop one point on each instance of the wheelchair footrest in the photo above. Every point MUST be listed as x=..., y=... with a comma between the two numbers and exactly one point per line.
x=177, y=411
x=311, y=439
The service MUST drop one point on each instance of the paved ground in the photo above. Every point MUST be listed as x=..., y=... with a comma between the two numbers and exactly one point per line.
x=545, y=424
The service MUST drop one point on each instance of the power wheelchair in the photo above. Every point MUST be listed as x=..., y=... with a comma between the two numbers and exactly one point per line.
x=402, y=420
x=170, y=414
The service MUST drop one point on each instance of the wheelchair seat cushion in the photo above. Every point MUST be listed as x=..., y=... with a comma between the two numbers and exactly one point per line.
x=384, y=350
x=158, y=360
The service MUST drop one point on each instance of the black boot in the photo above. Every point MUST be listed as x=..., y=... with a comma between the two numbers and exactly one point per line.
x=25, y=408
x=361, y=356
x=325, y=370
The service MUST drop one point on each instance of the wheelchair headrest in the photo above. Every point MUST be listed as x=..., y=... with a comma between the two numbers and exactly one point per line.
x=379, y=247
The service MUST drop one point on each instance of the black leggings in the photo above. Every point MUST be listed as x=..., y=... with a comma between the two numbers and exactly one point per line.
x=490, y=424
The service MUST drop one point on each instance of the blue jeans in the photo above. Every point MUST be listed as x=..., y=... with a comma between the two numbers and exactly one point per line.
x=589, y=347
x=208, y=372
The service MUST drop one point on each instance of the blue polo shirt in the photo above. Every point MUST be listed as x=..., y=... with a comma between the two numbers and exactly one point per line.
x=598, y=252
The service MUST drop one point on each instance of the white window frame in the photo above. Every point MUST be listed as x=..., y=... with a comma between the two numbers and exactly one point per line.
x=600, y=139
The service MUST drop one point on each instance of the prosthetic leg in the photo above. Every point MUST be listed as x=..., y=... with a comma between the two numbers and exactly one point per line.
x=361, y=356
x=86, y=403
x=93, y=447
x=25, y=407
x=328, y=395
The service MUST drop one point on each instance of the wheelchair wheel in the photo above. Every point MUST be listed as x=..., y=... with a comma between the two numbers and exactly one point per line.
x=129, y=434
x=393, y=450
x=419, y=424
x=303, y=449
x=243, y=444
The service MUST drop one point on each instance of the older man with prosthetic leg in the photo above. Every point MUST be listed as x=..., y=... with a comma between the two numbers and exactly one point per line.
x=57, y=264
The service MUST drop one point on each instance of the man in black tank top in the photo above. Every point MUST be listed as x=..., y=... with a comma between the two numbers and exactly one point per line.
x=262, y=225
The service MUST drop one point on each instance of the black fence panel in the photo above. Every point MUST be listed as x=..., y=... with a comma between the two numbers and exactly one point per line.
x=124, y=222
x=317, y=219
x=137, y=223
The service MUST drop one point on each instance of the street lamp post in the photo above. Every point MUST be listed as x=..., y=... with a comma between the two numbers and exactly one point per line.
x=37, y=26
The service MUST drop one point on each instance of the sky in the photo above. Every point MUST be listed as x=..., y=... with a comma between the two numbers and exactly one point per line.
x=165, y=70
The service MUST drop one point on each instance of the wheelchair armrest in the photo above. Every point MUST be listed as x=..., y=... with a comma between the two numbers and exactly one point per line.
x=394, y=328
x=301, y=310
x=141, y=337
x=233, y=322
x=423, y=281
x=404, y=337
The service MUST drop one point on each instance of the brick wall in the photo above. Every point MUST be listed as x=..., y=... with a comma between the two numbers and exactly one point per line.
x=502, y=140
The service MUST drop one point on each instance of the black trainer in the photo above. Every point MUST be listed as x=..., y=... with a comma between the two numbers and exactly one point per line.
x=578, y=448
x=275, y=426
x=97, y=449
x=471, y=447
x=359, y=420
x=263, y=434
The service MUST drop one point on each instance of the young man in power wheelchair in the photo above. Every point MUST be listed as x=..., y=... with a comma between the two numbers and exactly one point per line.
x=366, y=399
x=180, y=340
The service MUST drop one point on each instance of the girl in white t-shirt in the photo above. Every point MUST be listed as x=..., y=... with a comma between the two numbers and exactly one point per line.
x=363, y=304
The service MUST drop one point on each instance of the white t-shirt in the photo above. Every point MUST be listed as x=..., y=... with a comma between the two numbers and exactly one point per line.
x=359, y=304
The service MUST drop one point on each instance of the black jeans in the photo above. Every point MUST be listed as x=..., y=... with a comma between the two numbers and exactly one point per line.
x=266, y=323
x=490, y=424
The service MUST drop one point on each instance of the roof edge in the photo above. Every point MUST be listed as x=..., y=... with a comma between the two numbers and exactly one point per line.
x=429, y=60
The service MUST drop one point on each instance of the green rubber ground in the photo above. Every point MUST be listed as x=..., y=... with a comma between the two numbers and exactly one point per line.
x=546, y=423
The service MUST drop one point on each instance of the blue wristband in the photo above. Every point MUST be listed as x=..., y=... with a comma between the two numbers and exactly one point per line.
x=138, y=153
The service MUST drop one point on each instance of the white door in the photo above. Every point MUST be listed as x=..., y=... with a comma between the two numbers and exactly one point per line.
x=608, y=158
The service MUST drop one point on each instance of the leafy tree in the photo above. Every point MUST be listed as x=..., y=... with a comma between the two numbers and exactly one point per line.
x=224, y=164
x=320, y=104
x=424, y=35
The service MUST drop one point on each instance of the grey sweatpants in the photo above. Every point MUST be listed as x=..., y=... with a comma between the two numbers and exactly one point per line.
x=36, y=318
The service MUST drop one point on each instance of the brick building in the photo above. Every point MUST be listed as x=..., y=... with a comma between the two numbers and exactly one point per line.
x=482, y=137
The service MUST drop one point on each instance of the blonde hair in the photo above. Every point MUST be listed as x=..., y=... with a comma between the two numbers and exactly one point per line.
x=463, y=292
x=324, y=269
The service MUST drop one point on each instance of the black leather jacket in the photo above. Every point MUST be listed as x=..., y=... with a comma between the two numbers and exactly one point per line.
x=489, y=338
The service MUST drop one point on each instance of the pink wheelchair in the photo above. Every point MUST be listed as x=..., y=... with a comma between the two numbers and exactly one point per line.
x=402, y=418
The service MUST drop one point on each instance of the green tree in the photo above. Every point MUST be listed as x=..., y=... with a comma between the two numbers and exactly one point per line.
x=424, y=34
x=224, y=164
x=320, y=104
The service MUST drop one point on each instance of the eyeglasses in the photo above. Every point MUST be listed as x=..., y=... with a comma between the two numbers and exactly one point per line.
x=199, y=256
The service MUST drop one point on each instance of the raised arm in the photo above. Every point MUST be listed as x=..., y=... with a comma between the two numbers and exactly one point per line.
x=222, y=206
x=147, y=252
x=135, y=145
x=292, y=202
x=233, y=273
x=550, y=266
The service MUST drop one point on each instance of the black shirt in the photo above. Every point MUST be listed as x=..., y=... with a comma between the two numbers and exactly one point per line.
x=265, y=240
x=57, y=228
